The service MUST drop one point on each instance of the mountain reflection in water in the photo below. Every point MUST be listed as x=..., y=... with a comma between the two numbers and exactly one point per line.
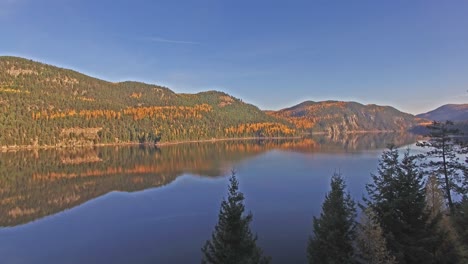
x=35, y=184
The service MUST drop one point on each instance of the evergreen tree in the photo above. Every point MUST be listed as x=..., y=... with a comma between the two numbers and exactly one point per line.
x=461, y=223
x=398, y=198
x=435, y=197
x=371, y=245
x=443, y=159
x=447, y=250
x=334, y=230
x=232, y=242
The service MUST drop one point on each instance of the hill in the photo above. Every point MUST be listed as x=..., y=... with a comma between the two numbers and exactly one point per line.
x=336, y=117
x=43, y=105
x=453, y=112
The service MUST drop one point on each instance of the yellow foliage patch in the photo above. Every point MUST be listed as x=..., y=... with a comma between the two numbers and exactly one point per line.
x=9, y=90
x=135, y=95
x=86, y=99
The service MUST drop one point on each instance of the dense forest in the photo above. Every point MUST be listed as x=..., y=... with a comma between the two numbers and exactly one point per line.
x=43, y=105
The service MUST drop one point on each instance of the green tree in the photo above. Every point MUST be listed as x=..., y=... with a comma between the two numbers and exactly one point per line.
x=232, y=241
x=435, y=197
x=371, y=245
x=397, y=195
x=460, y=220
x=443, y=159
x=334, y=230
x=447, y=250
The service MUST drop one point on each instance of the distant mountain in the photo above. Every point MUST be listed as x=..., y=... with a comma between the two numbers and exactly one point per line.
x=340, y=117
x=453, y=112
x=43, y=105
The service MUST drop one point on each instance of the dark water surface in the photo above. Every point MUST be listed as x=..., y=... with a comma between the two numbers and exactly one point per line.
x=150, y=205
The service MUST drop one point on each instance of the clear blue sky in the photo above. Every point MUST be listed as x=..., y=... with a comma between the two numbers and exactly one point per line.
x=409, y=54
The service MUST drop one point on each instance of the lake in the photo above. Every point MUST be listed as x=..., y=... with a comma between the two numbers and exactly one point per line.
x=137, y=204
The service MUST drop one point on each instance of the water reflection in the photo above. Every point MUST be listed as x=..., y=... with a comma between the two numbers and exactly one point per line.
x=35, y=184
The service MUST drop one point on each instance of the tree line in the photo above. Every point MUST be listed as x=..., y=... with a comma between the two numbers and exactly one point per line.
x=39, y=103
x=410, y=214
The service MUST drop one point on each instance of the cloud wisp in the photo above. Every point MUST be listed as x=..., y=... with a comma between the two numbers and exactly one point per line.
x=172, y=41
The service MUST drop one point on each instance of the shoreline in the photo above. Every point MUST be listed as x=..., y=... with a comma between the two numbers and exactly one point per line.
x=220, y=140
x=161, y=144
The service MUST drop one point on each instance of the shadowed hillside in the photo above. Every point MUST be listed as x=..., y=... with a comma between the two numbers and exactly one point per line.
x=453, y=112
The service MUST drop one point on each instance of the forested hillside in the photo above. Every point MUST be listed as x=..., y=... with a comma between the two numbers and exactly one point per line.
x=43, y=105
x=335, y=117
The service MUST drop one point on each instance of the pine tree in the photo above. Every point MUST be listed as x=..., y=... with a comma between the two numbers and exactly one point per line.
x=460, y=220
x=446, y=251
x=371, y=245
x=435, y=197
x=232, y=242
x=443, y=159
x=398, y=198
x=334, y=230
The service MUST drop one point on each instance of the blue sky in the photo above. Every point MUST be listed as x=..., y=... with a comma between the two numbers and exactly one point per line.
x=409, y=54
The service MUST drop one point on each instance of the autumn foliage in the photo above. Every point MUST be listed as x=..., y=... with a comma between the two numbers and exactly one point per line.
x=38, y=102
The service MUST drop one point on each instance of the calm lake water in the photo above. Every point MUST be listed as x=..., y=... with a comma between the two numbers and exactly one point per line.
x=160, y=205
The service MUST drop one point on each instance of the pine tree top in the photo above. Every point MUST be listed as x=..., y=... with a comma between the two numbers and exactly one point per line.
x=232, y=241
x=334, y=230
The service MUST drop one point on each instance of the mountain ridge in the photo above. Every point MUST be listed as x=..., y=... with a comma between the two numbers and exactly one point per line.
x=346, y=116
x=45, y=105
x=452, y=112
